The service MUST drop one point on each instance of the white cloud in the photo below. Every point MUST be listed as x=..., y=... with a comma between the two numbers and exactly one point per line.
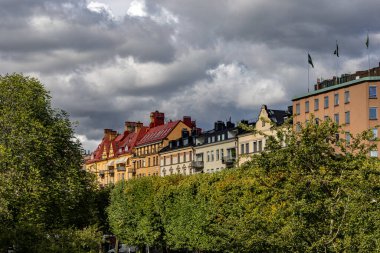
x=86, y=143
x=100, y=8
x=137, y=8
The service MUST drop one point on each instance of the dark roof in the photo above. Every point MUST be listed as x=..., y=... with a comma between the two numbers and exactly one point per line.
x=278, y=116
x=178, y=144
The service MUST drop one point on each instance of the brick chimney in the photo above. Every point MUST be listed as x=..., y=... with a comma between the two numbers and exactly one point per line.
x=156, y=119
x=139, y=125
x=110, y=134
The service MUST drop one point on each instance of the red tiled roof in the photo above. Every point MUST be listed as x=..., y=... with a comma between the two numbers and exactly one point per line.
x=123, y=140
x=157, y=133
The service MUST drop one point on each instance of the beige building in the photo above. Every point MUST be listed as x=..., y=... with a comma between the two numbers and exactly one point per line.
x=177, y=157
x=111, y=161
x=215, y=150
x=352, y=103
x=253, y=142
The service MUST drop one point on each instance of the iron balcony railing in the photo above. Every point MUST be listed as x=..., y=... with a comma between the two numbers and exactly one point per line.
x=228, y=161
x=197, y=165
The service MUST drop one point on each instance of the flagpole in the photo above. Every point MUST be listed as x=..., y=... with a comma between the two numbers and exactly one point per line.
x=308, y=73
x=337, y=62
x=369, y=65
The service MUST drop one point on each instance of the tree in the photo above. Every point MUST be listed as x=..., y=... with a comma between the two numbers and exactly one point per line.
x=42, y=187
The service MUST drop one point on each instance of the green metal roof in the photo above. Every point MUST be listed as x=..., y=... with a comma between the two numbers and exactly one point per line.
x=338, y=86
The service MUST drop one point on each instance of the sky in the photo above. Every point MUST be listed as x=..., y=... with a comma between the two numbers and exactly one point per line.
x=110, y=61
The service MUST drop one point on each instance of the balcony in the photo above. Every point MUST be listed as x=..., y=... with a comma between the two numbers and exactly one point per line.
x=120, y=168
x=228, y=161
x=197, y=165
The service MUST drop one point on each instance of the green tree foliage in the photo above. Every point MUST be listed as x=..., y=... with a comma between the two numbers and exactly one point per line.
x=43, y=190
x=308, y=192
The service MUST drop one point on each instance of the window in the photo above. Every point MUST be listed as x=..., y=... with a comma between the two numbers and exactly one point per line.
x=326, y=102
x=208, y=156
x=347, y=137
x=242, y=148
x=347, y=117
x=317, y=121
x=346, y=97
x=373, y=153
x=316, y=104
x=373, y=113
x=222, y=153
x=298, y=127
x=263, y=123
x=217, y=154
x=298, y=110
x=336, y=118
x=212, y=156
x=178, y=158
x=247, y=148
x=337, y=137
x=336, y=99
x=307, y=106
x=171, y=159
x=372, y=92
x=254, y=147
x=326, y=118
x=260, y=146
x=374, y=133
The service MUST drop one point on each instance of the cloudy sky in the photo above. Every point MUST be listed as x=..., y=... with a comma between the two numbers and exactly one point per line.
x=108, y=61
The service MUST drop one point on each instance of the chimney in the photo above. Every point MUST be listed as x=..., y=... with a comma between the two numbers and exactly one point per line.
x=219, y=125
x=230, y=124
x=139, y=125
x=129, y=126
x=110, y=134
x=187, y=121
x=156, y=119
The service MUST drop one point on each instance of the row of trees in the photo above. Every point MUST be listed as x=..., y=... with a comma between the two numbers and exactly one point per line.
x=47, y=203
x=309, y=192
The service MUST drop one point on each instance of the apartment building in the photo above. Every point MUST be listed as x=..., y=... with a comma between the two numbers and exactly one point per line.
x=146, y=158
x=253, y=142
x=215, y=149
x=351, y=101
x=111, y=161
x=177, y=157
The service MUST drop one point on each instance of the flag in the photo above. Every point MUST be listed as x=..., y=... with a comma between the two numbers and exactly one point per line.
x=336, y=52
x=367, y=41
x=309, y=60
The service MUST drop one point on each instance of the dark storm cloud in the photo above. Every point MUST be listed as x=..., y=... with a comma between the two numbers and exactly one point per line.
x=208, y=59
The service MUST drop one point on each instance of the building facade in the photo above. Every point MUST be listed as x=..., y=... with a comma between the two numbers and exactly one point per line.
x=111, y=161
x=177, y=157
x=354, y=104
x=146, y=158
x=253, y=142
x=215, y=150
